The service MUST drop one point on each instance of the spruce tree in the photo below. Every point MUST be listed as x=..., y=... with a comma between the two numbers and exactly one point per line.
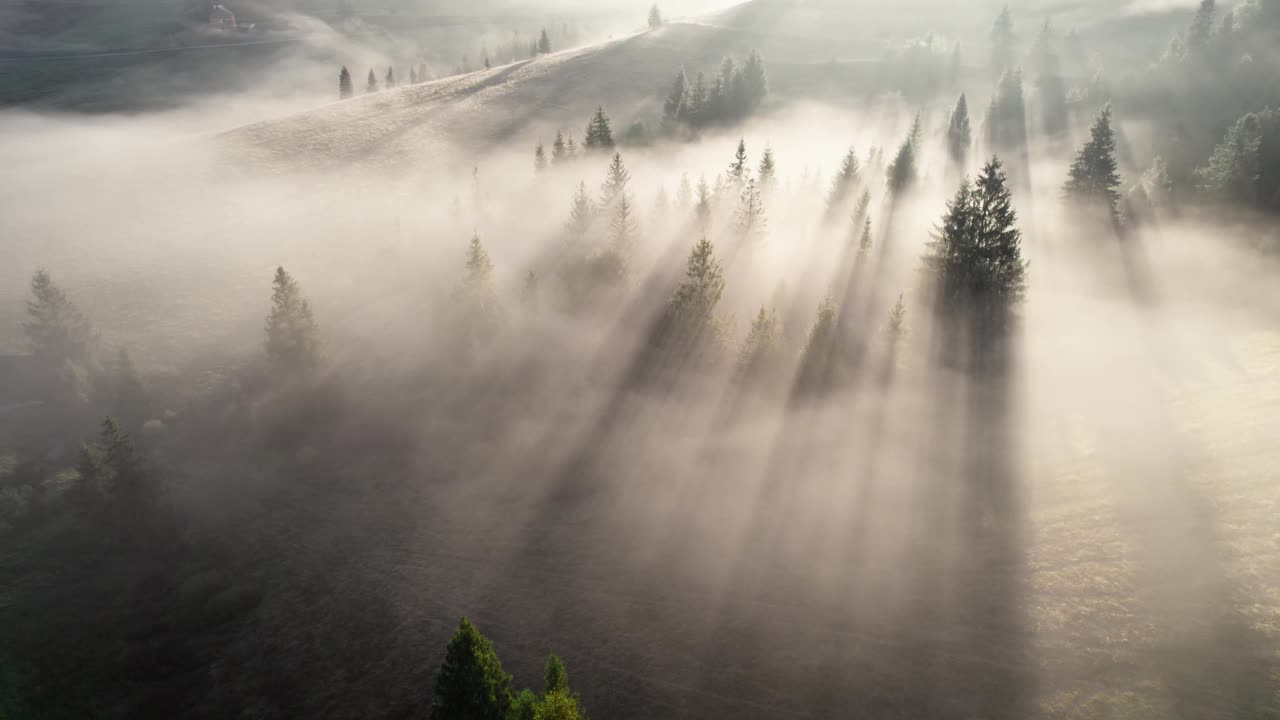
x=372, y=86
x=863, y=209
x=974, y=261
x=1245, y=166
x=768, y=171
x=471, y=684
x=56, y=330
x=738, y=171
x=902, y=171
x=555, y=677
x=818, y=360
x=760, y=354
x=750, y=222
x=1051, y=87
x=571, y=149
x=673, y=109
x=558, y=148
x=615, y=182
x=755, y=81
x=413, y=75
x=1002, y=41
x=391, y=78
x=1007, y=115
x=1094, y=179
x=897, y=325
x=581, y=213
x=959, y=133
x=111, y=469
x=544, y=43
x=698, y=103
x=599, y=134
x=1201, y=31
x=684, y=195
x=705, y=200
x=846, y=180
x=293, y=338
x=624, y=229
x=691, y=312
x=539, y=158
x=345, y=89
x=864, y=240
x=655, y=17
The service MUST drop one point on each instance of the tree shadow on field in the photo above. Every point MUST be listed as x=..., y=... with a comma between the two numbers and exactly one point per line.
x=965, y=640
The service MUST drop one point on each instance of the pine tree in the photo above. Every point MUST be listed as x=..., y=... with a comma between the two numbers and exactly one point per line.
x=391, y=78
x=738, y=172
x=897, y=326
x=760, y=354
x=974, y=261
x=581, y=214
x=555, y=677
x=691, y=312
x=1094, y=177
x=558, y=149
x=58, y=333
x=615, y=182
x=673, y=109
x=863, y=209
x=684, y=195
x=755, y=81
x=372, y=86
x=1007, y=115
x=571, y=149
x=843, y=185
x=1201, y=31
x=655, y=17
x=1002, y=40
x=1051, y=87
x=413, y=75
x=544, y=43
x=539, y=158
x=293, y=338
x=902, y=171
x=864, y=240
x=704, y=206
x=111, y=469
x=750, y=222
x=471, y=684
x=959, y=133
x=768, y=171
x=624, y=230
x=479, y=278
x=344, y=84
x=1245, y=166
x=698, y=103
x=818, y=360
x=599, y=134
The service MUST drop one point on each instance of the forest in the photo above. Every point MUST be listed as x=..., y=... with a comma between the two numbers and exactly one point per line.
x=742, y=398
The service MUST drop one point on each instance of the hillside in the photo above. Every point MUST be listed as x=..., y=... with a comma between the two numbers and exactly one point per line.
x=397, y=129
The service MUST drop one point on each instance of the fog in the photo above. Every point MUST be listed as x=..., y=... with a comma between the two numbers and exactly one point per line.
x=1071, y=520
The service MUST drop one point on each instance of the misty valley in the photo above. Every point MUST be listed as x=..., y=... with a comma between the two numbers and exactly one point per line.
x=553, y=359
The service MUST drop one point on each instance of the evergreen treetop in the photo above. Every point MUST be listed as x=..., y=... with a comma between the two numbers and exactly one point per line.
x=471, y=684
x=556, y=678
x=345, y=89
x=372, y=85
x=959, y=132
x=768, y=170
x=1094, y=175
x=615, y=181
x=56, y=330
x=599, y=134
x=738, y=168
x=293, y=337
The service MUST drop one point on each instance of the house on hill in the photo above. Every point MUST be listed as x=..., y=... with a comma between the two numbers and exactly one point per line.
x=222, y=18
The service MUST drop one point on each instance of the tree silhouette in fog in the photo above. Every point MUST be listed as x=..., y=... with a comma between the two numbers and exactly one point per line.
x=293, y=336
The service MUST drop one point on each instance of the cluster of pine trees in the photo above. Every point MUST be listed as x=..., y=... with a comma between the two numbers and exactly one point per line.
x=417, y=74
x=734, y=94
x=471, y=685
